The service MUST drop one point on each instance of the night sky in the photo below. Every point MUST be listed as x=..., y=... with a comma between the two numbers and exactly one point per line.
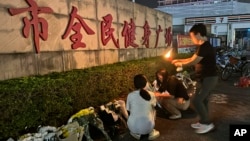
x=148, y=3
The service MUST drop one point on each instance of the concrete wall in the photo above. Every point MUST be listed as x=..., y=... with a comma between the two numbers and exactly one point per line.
x=18, y=56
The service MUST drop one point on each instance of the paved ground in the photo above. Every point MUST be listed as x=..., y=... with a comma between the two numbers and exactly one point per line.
x=229, y=105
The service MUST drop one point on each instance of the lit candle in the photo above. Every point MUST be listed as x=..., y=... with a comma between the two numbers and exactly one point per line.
x=168, y=55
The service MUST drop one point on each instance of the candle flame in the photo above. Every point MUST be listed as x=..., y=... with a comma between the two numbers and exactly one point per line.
x=167, y=55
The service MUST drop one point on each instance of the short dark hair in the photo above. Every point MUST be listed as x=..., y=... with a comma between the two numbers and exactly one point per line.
x=199, y=28
x=140, y=81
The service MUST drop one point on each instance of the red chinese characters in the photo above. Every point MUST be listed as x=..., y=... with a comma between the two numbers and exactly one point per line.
x=168, y=36
x=128, y=33
x=146, y=35
x=107, y=31
x=157, y=35
x=76, y=27
x=39, y=25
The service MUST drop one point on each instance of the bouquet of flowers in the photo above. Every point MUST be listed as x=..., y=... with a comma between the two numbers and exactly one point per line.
x=45, y=133
x=70, y=132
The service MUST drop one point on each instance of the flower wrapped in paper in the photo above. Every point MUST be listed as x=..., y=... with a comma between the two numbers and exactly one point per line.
x=88, y=116
x=70, y=132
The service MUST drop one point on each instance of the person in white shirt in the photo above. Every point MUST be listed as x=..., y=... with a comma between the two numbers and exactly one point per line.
x=141, y=108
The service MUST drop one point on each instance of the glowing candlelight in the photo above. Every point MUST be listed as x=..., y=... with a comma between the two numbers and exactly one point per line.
x=168, y=55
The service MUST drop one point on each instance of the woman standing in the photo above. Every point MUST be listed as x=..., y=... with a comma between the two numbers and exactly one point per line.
x=206, y=74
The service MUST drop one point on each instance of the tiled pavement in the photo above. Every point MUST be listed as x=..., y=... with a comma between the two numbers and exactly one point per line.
x=229, y=105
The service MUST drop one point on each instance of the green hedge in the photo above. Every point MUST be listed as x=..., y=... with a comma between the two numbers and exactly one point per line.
x=26, y=103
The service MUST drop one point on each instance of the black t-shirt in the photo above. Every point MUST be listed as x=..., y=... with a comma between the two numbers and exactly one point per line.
x=174, y=87
x=207, y=66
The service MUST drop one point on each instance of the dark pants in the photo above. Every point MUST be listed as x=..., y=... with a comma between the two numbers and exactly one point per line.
x=201, y=98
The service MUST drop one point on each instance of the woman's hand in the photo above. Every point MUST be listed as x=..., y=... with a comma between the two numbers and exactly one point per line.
x=178, y=64
x=157, y=94
x=163, y=95
x=180, y=100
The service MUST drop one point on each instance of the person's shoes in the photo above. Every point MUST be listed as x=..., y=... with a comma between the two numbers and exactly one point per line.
x=196, y=125
x=153, y=135
x=136, y=136
x=205, y=128
x=175, y=116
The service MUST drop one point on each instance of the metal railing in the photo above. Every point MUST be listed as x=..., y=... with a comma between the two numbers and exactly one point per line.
x=202, y=8
x=188, y=2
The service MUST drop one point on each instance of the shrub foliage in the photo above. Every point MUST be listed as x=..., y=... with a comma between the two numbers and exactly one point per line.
x=26, y=103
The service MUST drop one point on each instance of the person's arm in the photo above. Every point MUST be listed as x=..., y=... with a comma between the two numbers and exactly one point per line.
x=164, y=95
x=154, y=100
x=191, y=61
x=180, y=100
x=128, y=105
x=149, y=87
x=181, y=60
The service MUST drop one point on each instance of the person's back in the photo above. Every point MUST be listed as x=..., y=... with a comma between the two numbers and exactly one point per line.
x=176, y=88
x=141, y=112
x=174, y=95
x=141, y=108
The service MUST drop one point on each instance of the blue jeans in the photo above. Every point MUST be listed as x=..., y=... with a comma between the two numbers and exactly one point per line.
x=201, y=98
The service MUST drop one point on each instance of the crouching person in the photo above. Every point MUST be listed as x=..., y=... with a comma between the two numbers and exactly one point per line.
x=171, y=94
x=141, y=109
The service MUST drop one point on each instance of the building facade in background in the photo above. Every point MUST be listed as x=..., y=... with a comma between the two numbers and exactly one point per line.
x=227, y=21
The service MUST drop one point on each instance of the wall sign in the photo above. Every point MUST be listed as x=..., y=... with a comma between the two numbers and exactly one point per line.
x=39, y=27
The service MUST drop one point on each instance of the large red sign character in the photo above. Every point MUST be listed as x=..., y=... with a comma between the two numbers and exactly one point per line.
x=76, y=27
x=168, y=36
x=129, y=33
x=107, y=31
x=146, y=35
x=157, y=35
x=39, y=25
